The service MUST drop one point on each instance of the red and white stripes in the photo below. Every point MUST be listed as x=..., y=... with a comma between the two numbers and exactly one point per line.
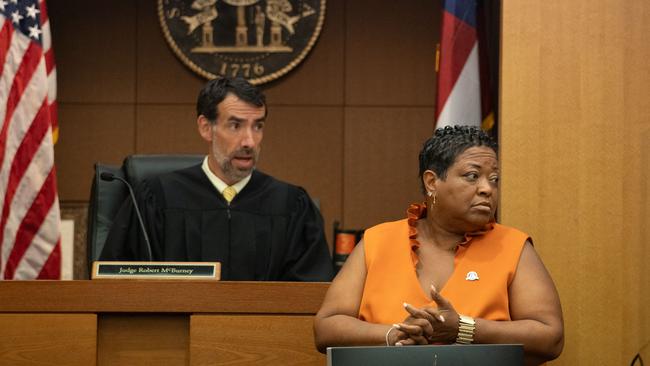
x=29, y=207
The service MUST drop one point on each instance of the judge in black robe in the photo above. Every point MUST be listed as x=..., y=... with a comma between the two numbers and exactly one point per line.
x=270, y=231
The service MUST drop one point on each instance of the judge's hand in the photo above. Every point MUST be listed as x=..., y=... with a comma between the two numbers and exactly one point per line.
x=430, y=325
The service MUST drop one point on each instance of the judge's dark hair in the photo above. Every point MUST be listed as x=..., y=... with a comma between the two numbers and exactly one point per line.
x=441, y=150
x=216, y=90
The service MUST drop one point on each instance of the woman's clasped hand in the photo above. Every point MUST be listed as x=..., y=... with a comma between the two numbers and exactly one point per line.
x=427, y=325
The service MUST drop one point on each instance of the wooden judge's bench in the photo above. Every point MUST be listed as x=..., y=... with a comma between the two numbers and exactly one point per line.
x=131, y=322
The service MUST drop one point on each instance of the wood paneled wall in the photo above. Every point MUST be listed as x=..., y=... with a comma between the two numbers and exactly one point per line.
x=575, y=137
x=347, y=124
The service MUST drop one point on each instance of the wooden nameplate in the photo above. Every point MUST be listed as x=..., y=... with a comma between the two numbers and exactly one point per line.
x=156, y=270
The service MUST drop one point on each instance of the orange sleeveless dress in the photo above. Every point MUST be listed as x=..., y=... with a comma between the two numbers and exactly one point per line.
x=484, y=267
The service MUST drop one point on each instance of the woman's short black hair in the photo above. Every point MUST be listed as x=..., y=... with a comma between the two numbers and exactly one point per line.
x=441, y=150
x=216, y=90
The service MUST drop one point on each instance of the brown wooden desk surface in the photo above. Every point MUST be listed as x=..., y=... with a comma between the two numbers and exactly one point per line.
x=138, y=322
x=161, y=296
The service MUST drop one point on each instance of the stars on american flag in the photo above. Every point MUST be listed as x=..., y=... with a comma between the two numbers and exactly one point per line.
x=32, y=11
x=24, y=14
x=16, y=17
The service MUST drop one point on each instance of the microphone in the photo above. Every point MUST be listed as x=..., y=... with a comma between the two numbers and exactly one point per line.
x=109, y=177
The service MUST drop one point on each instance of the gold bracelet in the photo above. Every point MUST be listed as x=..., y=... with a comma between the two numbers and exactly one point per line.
x=466, y=327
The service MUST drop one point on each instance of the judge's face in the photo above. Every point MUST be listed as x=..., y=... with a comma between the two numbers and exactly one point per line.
x=234, y=139
x=466, y=199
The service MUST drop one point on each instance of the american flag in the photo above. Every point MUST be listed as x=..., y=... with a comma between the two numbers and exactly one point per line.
x=30, y=218
x=459, y=84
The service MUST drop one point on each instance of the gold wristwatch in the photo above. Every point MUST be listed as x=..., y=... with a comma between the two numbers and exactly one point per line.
x=466, y=326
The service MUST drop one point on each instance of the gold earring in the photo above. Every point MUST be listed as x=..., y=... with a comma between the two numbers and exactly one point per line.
x=432, y=195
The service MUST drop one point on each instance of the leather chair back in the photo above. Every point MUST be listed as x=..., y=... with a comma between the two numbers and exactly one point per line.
x=106, y=198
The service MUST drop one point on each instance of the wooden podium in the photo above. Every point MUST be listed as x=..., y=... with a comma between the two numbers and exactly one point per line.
x=130, y=322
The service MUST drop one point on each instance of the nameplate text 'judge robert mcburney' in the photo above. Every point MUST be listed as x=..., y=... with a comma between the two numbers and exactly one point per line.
x=153, y=270
x=259, y=40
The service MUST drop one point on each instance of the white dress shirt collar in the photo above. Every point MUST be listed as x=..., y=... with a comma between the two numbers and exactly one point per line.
x=219, y=184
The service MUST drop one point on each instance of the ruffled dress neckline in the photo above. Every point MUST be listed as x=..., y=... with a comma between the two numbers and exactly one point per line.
x=418, y=211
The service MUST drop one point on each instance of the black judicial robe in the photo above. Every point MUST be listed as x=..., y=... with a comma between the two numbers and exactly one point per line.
x=270, y=231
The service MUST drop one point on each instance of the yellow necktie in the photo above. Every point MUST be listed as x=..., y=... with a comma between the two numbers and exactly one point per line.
x=229, y=193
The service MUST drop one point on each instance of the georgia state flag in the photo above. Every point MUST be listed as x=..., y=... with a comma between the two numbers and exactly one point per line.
x=459, y=82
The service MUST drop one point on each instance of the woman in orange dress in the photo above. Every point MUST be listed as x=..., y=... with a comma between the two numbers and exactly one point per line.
x=447, y=273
